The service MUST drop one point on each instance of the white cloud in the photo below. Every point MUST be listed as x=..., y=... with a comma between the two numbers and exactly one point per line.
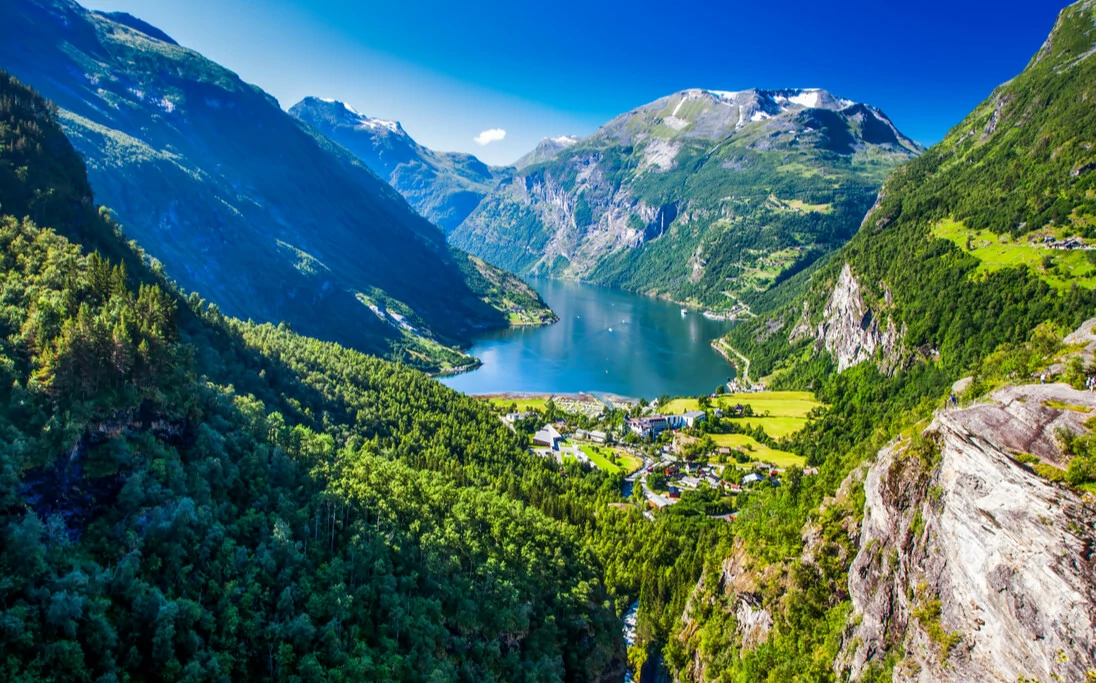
x=489, y=136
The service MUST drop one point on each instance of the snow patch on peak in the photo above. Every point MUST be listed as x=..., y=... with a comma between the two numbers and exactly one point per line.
x=350, y=109
x=725, y=94
x=566, y=140
x=377, y=124
x=811, y=98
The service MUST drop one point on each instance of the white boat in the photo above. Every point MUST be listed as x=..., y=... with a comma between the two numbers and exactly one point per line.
x=684, y=312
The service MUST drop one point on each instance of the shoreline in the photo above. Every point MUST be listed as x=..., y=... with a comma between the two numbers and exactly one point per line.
x=599, y=396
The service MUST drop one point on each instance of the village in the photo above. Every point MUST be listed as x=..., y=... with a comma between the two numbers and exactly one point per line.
x=706, y=450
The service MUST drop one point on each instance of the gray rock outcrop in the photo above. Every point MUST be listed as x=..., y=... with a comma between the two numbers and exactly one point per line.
x=971, y=566
x=850, y=330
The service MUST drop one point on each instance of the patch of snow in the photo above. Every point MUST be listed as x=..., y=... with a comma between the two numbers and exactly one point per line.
x=760, y=115
x=378, y=124
x=724, y=94
x=329, y=100
x=566, y=140
x=810, y=98
x=167, y=105
x=350, y=109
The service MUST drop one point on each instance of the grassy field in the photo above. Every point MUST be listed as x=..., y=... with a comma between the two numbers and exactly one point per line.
x=776, y=427
x=787, y=410
x=758, y=451
x=522, y=403
x=1001, y=251
x=776, y=403
x=628, y=462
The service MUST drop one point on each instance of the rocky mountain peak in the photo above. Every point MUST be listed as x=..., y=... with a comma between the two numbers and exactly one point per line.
x=337, y=113
x=546, y=149
x=717, y=114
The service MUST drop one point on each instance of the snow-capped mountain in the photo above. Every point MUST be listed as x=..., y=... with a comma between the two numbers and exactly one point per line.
x=714, y=114
x=442, y=186
x=709, y=196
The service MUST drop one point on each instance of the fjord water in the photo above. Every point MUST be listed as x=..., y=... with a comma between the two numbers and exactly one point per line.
x=607, y=341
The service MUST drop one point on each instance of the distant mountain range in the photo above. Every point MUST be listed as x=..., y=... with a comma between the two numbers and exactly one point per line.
x=442, y=186
x=243, y=203
x=703, y=196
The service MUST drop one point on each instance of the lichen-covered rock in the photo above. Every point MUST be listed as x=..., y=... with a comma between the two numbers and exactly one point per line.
x=970, y=566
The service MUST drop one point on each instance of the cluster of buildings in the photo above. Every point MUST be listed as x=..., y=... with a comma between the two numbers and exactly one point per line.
x=653, y=425
x=591, y=408
x=1069, y=244
x=690, y=476
x=511, y=418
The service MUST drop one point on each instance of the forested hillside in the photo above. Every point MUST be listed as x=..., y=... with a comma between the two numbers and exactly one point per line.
x=945, y=253
x=703, y=196
x=185, y=496
x=239, y=201
x=922, y=296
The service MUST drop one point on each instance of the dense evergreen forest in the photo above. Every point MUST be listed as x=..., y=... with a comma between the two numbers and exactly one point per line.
x=189, y=497
x=186, y=496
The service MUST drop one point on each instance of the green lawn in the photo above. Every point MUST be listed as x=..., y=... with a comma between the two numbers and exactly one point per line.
x=776, y=403
x=758, y=451
x=600, y=460
x=1001, y=251
x=629, y=462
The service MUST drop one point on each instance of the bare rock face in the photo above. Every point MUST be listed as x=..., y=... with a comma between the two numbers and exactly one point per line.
x=850, y=331
x=971, y=566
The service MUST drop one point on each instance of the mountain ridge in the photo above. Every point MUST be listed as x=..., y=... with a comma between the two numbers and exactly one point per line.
x=705, y=197
x=302, y=231
x=442, y=186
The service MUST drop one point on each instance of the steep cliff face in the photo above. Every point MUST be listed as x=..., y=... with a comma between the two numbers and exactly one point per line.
x=850, y=331
x=970, y=566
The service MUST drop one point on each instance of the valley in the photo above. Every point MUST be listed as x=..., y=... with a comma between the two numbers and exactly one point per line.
x=741, y=386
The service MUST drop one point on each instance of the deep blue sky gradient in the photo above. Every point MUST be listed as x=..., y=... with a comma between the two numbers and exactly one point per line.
x=448, y=70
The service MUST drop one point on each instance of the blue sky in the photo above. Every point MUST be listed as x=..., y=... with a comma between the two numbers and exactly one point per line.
x=451, y=70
